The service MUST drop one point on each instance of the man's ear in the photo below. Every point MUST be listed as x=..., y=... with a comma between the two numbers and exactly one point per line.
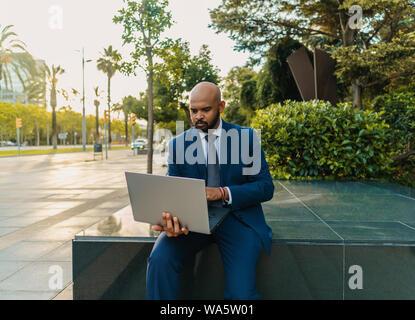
x=222, y=106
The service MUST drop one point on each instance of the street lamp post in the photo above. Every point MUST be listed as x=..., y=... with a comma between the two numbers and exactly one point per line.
x=83, y=100
x=83, y=104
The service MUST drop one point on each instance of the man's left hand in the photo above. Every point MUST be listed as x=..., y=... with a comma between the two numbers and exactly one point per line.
x=213, y=194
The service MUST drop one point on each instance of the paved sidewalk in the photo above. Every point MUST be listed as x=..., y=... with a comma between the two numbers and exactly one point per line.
x=44, y=202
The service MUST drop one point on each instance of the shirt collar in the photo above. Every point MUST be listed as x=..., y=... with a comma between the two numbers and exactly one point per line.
x=217, y=131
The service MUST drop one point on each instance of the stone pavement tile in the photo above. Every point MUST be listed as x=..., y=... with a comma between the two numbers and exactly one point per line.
x=30, y=204
x=40, y=276
x=113, y=204
x=20, y=221
x=63, y=205
x=27, y=250
x=65, y=294
x=92, y=194
x=68, y=191
x=6, y=205
x=13, y=212
x=61, y=253
x=17, y=195
x=42, y=212
x=7, y=268
x=61, y=196
x=97, y=212
x=6, y=230
x=26, y=295
x=82, y=222
x=56, y=234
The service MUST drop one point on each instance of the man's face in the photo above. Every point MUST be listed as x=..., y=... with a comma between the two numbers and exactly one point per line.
x=205, y=112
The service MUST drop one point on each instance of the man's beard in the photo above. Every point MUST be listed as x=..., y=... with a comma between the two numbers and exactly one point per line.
x=210, y=126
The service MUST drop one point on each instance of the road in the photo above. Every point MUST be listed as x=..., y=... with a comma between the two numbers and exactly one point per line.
x=44, y=201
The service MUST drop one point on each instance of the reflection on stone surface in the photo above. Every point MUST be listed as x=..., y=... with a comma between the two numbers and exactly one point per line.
x=120, y=224
x=307, y=210
x=109, y=226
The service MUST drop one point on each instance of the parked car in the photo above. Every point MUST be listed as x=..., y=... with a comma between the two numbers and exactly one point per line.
x=8, y=144
x=139, y=144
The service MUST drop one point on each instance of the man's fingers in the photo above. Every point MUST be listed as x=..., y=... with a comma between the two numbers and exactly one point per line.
x=176, y=225
x=169, y=223
x=164, y=220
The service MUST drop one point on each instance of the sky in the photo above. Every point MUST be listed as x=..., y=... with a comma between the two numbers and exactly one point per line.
x=56, y=31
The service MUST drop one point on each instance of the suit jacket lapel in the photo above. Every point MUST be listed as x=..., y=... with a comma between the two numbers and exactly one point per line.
x=225, y=157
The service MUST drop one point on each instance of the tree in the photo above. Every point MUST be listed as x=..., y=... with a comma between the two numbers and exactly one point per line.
x=388, y=24
x=178, y=73
x=109, y=63
x=143, y=23
x=237, y=111
x=22, y=62
x=36, y=85
x=125, y=107
x=96, y=104
x=52, y=75
x=275, y=82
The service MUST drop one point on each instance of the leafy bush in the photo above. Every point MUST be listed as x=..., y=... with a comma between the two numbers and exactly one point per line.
x=315, y=139
x=398, y=110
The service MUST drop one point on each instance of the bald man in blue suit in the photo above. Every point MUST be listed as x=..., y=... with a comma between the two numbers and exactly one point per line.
x=235, y=184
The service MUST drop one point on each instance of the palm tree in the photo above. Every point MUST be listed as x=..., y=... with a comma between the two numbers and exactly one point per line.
x=125, y=107
x=97, y=103
x=35, y=86
x=52, y=75
x=109, y=63
x=21, y=63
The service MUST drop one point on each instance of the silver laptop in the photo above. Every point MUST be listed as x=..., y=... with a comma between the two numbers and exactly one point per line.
x=185, y=198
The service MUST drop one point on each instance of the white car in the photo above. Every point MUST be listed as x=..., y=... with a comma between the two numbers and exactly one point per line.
x=139, y=144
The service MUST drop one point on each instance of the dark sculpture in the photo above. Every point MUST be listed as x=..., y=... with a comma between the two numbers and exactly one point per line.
x=314, y=83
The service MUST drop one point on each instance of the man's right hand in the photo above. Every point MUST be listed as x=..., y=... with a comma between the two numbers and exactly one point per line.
x=172, y=228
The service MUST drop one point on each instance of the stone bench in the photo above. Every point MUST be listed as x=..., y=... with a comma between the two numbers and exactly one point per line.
x=331, y=240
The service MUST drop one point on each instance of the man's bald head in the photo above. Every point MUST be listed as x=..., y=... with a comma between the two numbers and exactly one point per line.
x=204, y=90
x=206, y=105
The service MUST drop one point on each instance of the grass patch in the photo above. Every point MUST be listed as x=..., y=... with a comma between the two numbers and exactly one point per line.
x=51, y=151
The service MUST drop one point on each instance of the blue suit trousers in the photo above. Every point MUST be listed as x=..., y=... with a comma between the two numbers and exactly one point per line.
x=239, y=245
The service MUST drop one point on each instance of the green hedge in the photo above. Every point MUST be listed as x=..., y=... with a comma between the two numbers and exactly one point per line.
x=314, y=139
x=398, y=110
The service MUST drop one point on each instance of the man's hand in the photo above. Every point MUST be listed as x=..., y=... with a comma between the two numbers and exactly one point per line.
x=213, y=194
x=172, y=228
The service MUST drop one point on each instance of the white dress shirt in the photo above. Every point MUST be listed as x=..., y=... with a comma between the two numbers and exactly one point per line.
x=216, y=132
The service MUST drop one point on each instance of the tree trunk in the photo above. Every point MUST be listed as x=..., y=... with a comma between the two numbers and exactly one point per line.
x=37, y=134
x=1, y=73
x=186, y=110
x=356, y=94
x=46, y=111
x=126, y=128
x=109, y=109
x=150, y=111
x=348, y=40
x=54, y=128
x=97, y=139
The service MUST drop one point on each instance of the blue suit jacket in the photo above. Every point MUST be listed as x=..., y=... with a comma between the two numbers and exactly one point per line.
x=248, y=191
